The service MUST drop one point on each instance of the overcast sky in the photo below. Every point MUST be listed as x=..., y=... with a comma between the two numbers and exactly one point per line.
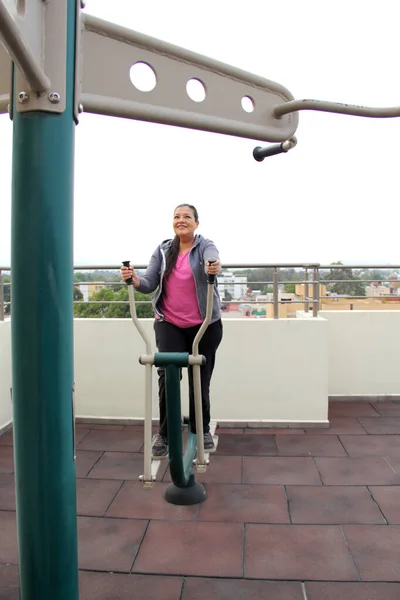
x=333, y=197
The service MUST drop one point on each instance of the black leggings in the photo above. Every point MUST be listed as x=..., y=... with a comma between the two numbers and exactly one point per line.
x=170, y=338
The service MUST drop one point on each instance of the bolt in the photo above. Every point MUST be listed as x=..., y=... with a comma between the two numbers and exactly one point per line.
x=54, y=97
x=23, y=97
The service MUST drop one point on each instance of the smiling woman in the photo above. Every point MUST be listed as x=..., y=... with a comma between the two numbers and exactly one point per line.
x=185, y=223
x=178, y=271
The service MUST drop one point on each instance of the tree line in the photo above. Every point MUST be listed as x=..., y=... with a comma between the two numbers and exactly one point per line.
x=107, y=304
x=347, y=280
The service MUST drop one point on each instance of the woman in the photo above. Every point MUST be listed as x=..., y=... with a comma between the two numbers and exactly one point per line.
x=178, y=270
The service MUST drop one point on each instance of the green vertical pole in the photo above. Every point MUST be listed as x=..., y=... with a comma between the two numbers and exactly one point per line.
x=42, y=346
x=173, y=397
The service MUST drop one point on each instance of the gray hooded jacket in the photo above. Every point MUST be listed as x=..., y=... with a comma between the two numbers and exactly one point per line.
x=202, y=251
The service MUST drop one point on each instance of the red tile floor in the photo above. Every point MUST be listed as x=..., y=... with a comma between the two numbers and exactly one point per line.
x=290, y=515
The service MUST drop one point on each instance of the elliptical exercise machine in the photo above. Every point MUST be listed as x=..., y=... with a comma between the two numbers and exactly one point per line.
x=184, y=489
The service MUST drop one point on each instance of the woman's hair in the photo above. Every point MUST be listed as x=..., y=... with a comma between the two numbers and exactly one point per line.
x=173, y=252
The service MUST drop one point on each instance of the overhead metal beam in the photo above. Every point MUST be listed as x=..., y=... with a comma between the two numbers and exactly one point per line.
x=108, y=53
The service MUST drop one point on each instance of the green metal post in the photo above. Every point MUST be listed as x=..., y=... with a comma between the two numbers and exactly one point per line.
x=173, y=394
x=42, y=346
x=184, y=489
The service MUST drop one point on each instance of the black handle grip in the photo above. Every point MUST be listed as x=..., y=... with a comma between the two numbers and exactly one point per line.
x=211, y=278
x=260, y=153
x=127, y=263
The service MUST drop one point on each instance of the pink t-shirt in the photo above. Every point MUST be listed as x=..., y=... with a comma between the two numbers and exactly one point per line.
x=179, y=303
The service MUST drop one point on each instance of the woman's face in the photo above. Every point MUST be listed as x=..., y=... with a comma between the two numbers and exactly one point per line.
x=184, y=222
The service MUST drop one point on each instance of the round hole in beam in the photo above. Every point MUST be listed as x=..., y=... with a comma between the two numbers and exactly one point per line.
x=196, y=90
x=248, y=104
x=143, y=77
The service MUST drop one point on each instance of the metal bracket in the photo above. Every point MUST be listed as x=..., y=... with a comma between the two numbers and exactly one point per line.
x=34, y=32
x=110, y=51
x=5, y=79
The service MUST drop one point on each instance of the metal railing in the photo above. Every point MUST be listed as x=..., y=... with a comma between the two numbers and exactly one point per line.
x=237, y=267
x=310, y=277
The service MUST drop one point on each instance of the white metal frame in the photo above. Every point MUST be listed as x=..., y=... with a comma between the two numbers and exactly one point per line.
x=109, y=51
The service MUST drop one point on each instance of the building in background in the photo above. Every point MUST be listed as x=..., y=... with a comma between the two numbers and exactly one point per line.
x=232, y=287
x=88, y=289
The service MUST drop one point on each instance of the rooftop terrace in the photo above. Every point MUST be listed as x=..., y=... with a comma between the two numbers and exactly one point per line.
x=291, y=514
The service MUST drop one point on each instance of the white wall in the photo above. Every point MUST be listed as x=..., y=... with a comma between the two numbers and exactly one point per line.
x=363, y=352
x=5, y=374
x=266, y=371
x=109, y=381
